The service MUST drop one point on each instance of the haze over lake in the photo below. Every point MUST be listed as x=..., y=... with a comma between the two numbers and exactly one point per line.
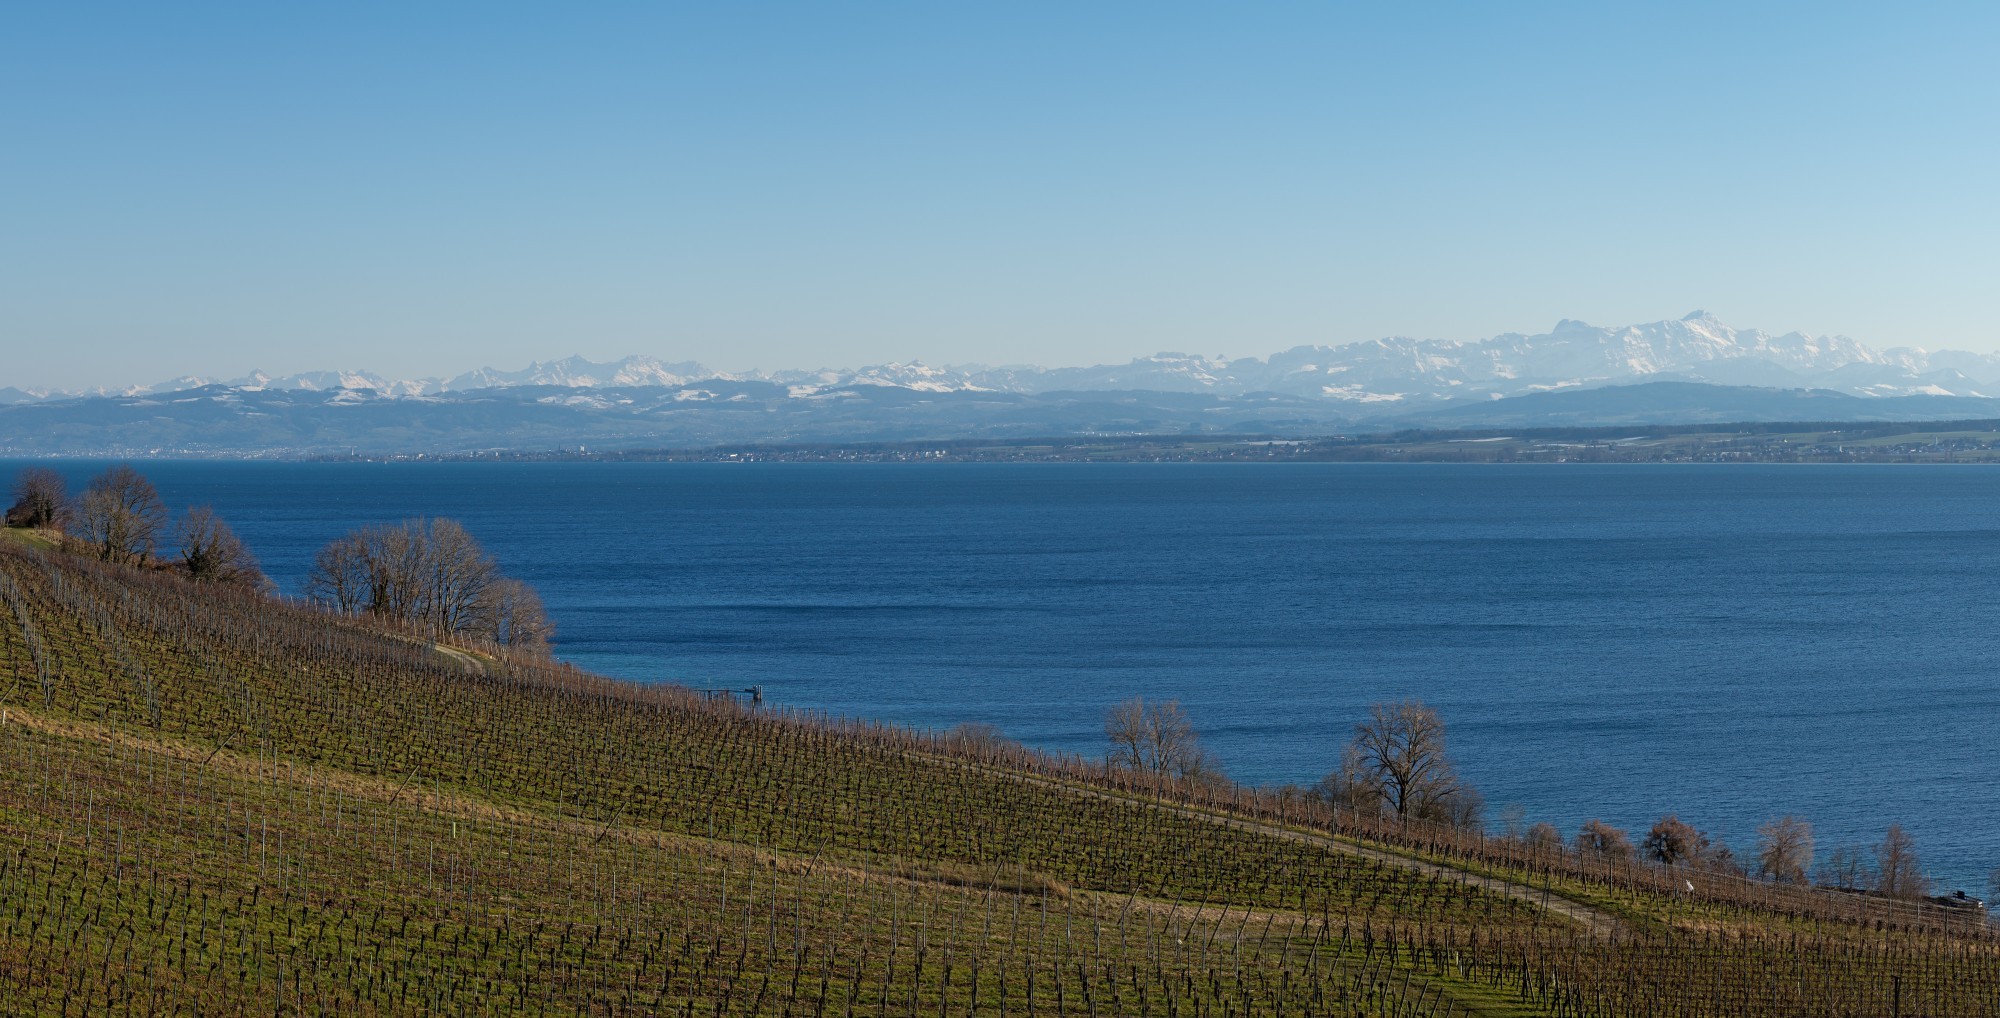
x=1729, y=643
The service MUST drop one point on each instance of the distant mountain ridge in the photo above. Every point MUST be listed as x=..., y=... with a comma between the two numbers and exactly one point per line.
x=263, y=422
x=1398, y=373
x=1689, y=370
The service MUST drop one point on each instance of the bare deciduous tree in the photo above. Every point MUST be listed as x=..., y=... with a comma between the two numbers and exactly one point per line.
x=1155, y=739
x=1722, y=859
x=212, y=553
x=458, y=582
x=1785, y=849
x=120, y=516
x=41, y=499
x=1397, y=763
x=1844, y=867
x=1125, y=726
x=1897, y=871
x=1172, y=744
x=519, y=620
x=975, y=735
x=1600, y=840
x=342, y=576
x=1543, y=837
x=1673, y=840
x=429, y=573
x=396, y=569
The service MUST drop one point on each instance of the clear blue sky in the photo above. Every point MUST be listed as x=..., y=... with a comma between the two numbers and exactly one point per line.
x=423, y=188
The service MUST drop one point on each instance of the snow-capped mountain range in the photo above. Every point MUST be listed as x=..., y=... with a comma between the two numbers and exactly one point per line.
x=1396, y=374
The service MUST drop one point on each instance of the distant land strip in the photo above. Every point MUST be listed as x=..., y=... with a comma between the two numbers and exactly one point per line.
x=1972, y=441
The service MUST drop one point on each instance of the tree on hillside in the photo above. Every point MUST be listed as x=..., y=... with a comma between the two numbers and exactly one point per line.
x=1844, y=867
x=1156, y=739
x=1599, y=840
x=431, y=574
x=41, y=500
x=120, y=516
x=519, y=620
x=457, y=581
x=212, y=553
x=1673, y=840
x=975, y=735
x=1722, y=859
x=1125, y=726
x=396, y=555
x=1543, y=838
x=342, y=576
x=1396, y=763
x=1897, y=871
x=1785, y=849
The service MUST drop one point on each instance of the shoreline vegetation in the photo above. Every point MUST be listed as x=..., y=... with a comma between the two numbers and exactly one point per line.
x=426, y=576
x=223, y=801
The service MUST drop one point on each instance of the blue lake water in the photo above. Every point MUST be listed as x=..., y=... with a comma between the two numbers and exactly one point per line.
x=1731, y=643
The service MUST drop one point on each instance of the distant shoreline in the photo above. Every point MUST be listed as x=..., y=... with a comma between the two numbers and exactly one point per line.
x=1932, y=442
x=1953, y=442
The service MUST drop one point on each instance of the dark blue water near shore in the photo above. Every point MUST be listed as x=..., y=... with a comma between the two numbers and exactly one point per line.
x=1731, y=643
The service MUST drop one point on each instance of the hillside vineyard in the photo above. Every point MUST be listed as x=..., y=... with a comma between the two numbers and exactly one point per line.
x=213, y=803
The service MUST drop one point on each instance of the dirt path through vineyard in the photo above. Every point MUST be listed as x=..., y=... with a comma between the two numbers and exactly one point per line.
x=1599, y=922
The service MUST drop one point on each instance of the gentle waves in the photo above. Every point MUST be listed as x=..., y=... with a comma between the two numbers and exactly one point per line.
x=1729, y=643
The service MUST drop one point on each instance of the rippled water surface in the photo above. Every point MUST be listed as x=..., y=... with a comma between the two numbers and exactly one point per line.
x=1730, y=643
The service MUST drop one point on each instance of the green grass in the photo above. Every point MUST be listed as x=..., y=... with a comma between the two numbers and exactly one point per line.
x=211, y=802
x=606, y=754
x=205, y=740
x=29, y=538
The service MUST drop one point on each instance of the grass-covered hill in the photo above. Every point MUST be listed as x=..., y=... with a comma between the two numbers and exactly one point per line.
x=215, y=803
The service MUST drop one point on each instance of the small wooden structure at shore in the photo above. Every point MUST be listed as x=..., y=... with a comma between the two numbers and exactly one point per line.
x=755, y=693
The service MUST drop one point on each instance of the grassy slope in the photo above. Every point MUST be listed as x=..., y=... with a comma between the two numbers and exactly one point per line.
x=275, y=794
x=28, y=538
x=211, y=800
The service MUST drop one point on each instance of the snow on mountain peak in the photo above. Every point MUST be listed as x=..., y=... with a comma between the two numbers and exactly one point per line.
x=1697, y=347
